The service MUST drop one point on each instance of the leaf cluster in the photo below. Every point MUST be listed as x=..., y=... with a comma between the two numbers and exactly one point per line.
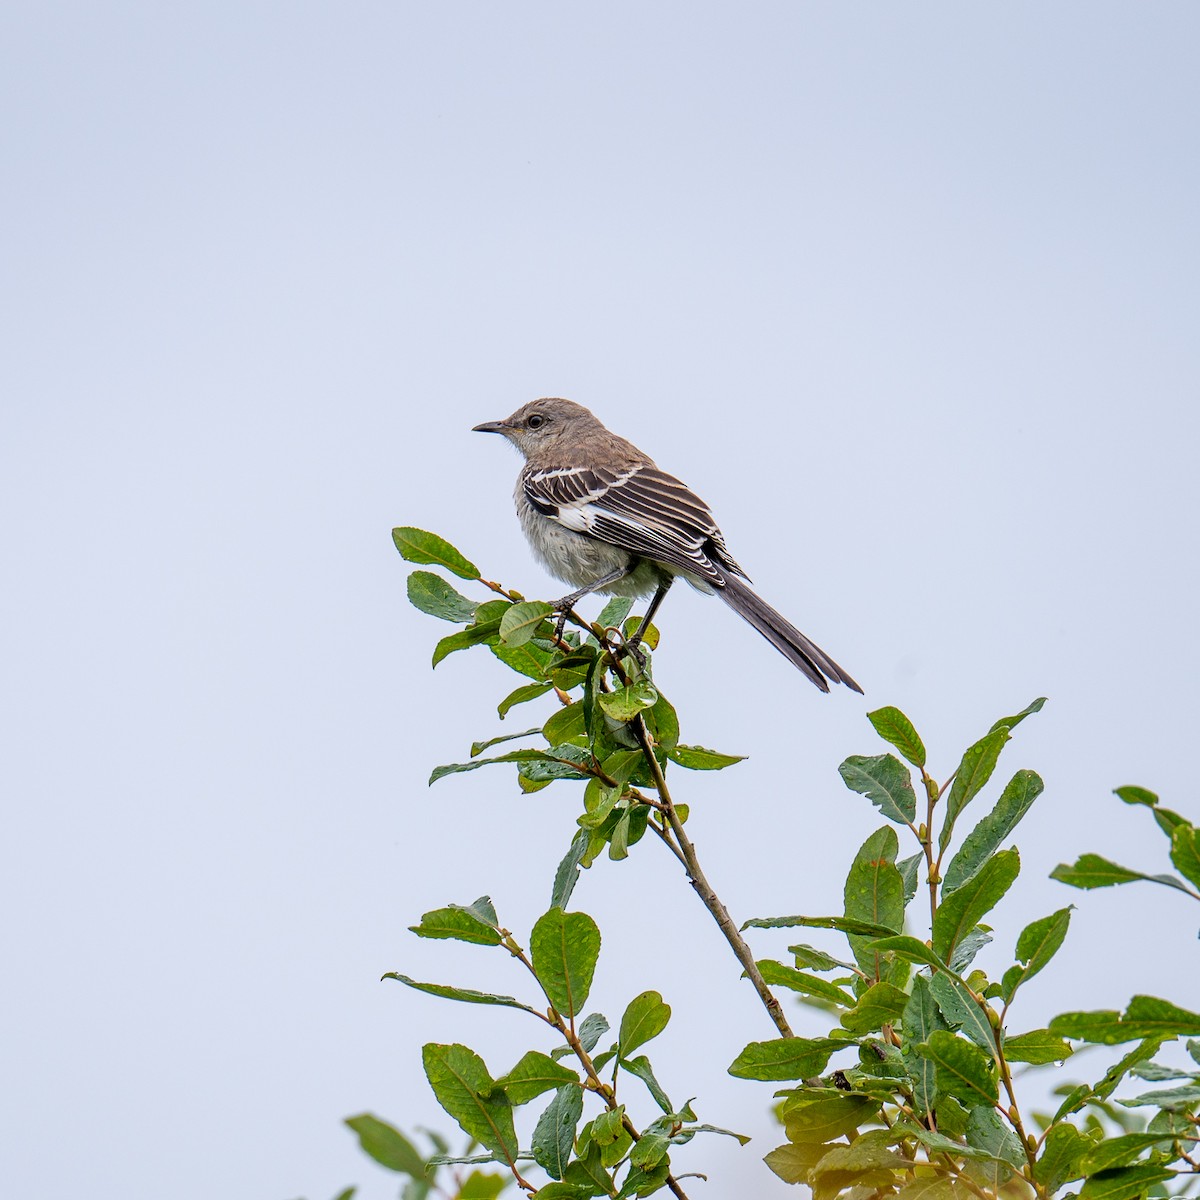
x=916, y=1092
x=912, y=1091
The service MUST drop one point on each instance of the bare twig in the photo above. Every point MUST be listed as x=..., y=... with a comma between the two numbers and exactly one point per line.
x=704, y=889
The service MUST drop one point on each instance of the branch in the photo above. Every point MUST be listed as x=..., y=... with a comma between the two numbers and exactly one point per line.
x=704, y=889
x=594, y=1084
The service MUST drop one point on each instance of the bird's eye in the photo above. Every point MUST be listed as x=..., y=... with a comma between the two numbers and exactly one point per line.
x=536, y=421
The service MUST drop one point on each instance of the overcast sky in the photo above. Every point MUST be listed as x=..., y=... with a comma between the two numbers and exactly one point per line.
x=908, y=293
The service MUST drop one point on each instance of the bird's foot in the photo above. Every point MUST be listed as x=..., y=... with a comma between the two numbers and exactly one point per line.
x=563, y=608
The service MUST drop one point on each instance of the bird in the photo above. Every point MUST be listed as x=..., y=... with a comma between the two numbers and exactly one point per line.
x=600, y=515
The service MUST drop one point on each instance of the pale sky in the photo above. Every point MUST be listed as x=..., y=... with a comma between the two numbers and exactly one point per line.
x=908, y=293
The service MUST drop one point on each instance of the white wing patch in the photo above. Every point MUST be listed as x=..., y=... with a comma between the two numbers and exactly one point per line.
x=579, y=517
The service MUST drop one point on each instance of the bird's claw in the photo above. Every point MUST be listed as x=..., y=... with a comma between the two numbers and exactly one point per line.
x=561, y=623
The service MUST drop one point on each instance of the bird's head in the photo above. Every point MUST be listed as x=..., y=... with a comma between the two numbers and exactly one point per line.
x=544, y=425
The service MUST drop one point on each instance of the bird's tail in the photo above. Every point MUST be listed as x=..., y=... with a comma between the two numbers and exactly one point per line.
x=783, y=635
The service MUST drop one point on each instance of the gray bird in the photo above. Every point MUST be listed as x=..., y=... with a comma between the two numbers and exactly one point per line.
x=601, y=516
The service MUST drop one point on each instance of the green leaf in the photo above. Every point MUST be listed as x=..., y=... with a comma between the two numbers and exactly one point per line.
x=962, y=1011
x=461, y=924
x=433, y=595
x=457, y=1160
x=563, y=1191
x=874, y=893
x=793, y=1162
x=559, y=762
x=987, y=1131
x=640, y=1182
x=885, y=781
x=594, y=1027
x=532, y=658
x=477, y=748
x=910, y=948
x=513, y=756
x=482, y=910
x=894, y=727
x=1137, y=795
x=851, y=1164
x=1176, y=1099
x=649, y=1151
x=554, y=1135
x=466, y=995
x=1124, y=1183
x=418, y=546
x=1142, y=1052
x=1157, y=1072
x=625, y=703
x=1012, y=722
x=921, y=1018
x=808, y=1118
x=565, y=724
x=964, y=1070
x=521, y=621
x=614, y=612
x=587, y=1171
x=817, y=960
x=649, y=636
x=480, y=1186
x=571, y=669
x=962, y=909
x=564, y=948
x=975, y=769
x=740, y=1138
x=777, y=974
x=849, y=925
x=944, y=1143
x=1015, y=801
x=1146, y=1016
x=1092, y=871
x=473, y=635
x=785, y=1058
x=909, y=869
x=1121, y=1151
x=1037, y=945
x=968, y=947
x=929, y=1187
x=463, y=1087
x=697, y=758
x=567, y=874
x=881, y=1004
x=609, y=1126
x=534, y=1074
x=618, y=846
x=1038, y=1046
x=387, y=1145
x=522, y=695
x=1062, y=1151
x=644, y=1019
x=664, y=723
x=640, y=1066
x=1185, y=852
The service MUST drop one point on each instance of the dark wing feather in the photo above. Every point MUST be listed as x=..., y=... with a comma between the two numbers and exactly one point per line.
x=642, y=510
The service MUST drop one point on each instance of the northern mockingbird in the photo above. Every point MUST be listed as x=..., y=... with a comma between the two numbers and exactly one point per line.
x=601, y=516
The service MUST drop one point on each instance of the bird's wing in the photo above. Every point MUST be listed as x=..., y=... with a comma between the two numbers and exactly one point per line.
x=641, y=509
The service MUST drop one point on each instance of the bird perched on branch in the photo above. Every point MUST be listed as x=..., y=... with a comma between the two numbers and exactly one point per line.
x=601, y=516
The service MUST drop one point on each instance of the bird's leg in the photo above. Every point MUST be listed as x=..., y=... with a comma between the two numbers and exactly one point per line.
x=564, y=606
x=664, y=586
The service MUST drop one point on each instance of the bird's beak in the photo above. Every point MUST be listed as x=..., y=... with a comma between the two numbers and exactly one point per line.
x=490, y=427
